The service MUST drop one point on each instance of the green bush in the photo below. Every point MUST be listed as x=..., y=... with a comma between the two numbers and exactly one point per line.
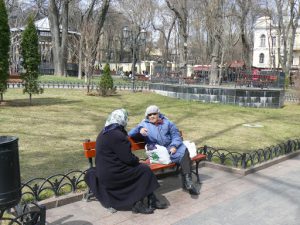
x=106, y=83
x=31, y=56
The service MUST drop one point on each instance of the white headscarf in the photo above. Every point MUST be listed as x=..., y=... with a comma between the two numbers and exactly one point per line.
x=119, y=116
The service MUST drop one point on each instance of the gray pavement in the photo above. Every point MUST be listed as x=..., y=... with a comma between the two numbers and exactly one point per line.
x=270, y=196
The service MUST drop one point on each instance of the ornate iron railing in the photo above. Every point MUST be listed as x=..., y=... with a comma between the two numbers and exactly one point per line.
x=38, y=189
x=246, y=160
x=25, y=214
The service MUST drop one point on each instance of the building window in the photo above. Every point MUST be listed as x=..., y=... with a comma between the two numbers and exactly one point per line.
x=263, y=40
x=261, y=58
x=273, y=41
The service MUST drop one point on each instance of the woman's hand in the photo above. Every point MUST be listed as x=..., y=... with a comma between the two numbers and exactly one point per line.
x=173, y=150
x=144, y=131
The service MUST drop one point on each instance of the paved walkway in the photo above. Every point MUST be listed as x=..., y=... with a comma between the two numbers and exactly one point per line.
x=268, y=197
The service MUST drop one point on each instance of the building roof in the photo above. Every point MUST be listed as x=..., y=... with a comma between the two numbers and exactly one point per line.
x=42, y=25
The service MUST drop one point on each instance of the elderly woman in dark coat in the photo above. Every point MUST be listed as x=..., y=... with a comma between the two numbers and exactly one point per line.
x=119, y=180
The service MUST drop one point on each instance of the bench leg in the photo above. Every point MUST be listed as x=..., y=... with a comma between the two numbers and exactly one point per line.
x=197, y=172
x=87, y=196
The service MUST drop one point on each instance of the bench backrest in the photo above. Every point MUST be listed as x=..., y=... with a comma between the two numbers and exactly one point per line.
x=89, y=147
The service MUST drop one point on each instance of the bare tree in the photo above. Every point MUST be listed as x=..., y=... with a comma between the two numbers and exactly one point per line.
x=163, y=22
x=288, y=14
x=214, y=24
x=180, y=8
x=138, y=14
x=59, y=35
x=241, y=11
x=92, y=24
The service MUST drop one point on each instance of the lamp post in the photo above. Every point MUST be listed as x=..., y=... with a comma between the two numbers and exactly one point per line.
x=135, y=38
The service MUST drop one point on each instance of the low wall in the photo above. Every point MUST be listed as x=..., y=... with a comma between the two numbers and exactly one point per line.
x=248, y=97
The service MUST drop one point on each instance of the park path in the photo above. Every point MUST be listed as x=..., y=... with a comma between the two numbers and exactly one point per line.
x=268, y=197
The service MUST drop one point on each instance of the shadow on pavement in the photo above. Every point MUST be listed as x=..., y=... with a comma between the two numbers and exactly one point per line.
x=72, y=222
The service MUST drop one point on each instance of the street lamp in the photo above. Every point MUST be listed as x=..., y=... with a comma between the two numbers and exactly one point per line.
x=135, y=38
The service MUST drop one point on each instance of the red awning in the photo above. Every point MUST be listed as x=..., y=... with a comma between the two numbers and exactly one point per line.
x=201, y=67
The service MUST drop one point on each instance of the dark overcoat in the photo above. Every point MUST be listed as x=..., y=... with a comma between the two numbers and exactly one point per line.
x=119, y=180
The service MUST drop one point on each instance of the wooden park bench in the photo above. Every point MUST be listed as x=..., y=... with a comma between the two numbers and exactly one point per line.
x=90, y=153
x=15, y=79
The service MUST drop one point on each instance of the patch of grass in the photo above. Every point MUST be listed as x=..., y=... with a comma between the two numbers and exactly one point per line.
x=52, y=130
x=95, y=79
x=51, y=78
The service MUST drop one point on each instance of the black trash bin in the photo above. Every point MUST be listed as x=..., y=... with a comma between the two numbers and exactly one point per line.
x=10, y=182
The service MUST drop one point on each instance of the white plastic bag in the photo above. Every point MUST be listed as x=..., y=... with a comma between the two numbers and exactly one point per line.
x=191, y=147
x=158, y=155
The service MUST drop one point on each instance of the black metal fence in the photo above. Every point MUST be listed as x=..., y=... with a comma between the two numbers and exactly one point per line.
x=93, y=86
x=291, y=98
x=48, y=69
x=241, y=78
x=24, y=214
x=253, y=158
x=38, y=189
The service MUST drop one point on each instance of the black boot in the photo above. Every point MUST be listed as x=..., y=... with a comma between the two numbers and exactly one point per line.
x=139, y=207
x=189, y=185
x=154, y=203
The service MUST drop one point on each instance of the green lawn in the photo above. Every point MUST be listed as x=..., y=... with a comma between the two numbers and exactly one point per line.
x=51, y=131
x=95, y=79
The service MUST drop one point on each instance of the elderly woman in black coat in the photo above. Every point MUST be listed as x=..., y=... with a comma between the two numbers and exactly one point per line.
x=119, y=181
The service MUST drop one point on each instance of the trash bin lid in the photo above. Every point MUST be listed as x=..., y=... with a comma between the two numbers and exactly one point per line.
x=7, y=139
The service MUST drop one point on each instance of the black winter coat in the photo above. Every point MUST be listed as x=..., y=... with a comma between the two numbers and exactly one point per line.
x=119, y=180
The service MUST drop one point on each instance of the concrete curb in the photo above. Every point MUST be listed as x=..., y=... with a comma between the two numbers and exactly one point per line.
x=62, y=200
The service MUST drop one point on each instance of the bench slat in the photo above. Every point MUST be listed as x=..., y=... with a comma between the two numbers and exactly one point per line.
x=199, y=157
x=156, y=166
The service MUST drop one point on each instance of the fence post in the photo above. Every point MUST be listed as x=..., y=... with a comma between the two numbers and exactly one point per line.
x=244, y=163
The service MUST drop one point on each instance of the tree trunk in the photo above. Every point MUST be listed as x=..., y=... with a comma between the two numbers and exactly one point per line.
x=92, y=27
x=221, y=68
x=217, y=32
x=182, y=16
x=213, y=78
x=59, y=37
x=288, y=33
x=244, y=8
x=80, y=58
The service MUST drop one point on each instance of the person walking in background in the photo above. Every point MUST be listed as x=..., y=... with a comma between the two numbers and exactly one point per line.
x=119, y=181
x=157, y=129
